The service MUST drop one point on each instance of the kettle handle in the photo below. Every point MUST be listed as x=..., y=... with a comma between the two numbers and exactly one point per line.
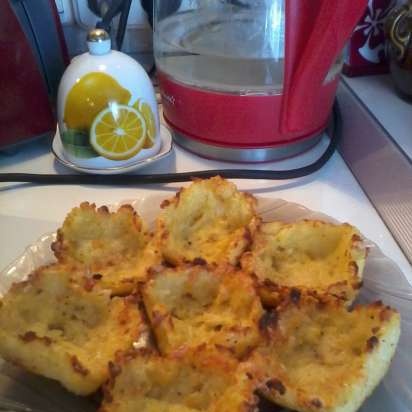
x=332, y=26
x=398, y=39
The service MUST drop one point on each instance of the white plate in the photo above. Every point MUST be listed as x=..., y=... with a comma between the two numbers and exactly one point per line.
x=383, y=280
x=109, y=166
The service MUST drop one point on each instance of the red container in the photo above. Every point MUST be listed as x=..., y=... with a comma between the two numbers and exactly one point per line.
x=33, y=56
x=366, y=52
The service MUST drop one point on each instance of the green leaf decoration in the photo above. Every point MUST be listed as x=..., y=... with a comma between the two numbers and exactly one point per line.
x=76, y=137
x=76, y=142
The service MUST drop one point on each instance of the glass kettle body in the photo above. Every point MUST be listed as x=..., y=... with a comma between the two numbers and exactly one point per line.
x=250, y=80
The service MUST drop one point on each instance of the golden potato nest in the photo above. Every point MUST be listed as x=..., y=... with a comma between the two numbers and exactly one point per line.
x=312, y=256
x=210, y=219
x=195, y=304
x=115, y=245
x=195, y=380
x=56, y=327
x=325, y=358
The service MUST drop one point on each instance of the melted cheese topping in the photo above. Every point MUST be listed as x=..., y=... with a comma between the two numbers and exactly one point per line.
x=327, y=358
x=312, y=255
x=209, y=219
x=56, y=327
x=198, y=381
x=193, y=306
x=114, y=245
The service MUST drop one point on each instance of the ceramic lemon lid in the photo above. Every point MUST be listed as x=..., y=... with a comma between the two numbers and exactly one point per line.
x=107, y=109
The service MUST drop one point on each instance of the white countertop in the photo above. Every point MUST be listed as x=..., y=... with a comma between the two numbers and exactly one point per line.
x=28, y=211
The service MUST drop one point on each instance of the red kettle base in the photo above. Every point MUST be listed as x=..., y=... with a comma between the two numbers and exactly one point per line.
x=245, y=155
x=240, y=127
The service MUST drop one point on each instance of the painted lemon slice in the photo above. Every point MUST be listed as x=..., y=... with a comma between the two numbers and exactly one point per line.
x=118, y=132
x=147, y=113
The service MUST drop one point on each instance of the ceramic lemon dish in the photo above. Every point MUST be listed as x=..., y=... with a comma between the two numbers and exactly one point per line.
x=107, y=108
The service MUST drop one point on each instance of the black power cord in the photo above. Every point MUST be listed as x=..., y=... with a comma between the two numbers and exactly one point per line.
x=144, y=179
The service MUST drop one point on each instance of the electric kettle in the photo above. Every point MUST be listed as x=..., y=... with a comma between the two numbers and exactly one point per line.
x=250, y=80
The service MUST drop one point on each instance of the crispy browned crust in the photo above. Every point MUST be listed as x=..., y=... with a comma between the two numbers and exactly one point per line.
x=198, y=378
x=210, y=220
x=63, y=246
x=281, y=260
x=54, y=324
x=204, y=304
x=324, y=357
x=113, y=245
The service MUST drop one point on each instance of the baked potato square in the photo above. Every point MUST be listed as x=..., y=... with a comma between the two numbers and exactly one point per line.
x=325, y=358
x=210, y=219
x=115, y=245
x=196, y=304
x=187, y=381
x=312, y=256
x=56, y=327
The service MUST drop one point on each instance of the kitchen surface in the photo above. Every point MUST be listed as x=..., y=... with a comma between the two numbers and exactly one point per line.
x=177, y=120
x=333, y=190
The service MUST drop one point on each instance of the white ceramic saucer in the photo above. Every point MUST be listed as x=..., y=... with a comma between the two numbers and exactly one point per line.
x=166, y=148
